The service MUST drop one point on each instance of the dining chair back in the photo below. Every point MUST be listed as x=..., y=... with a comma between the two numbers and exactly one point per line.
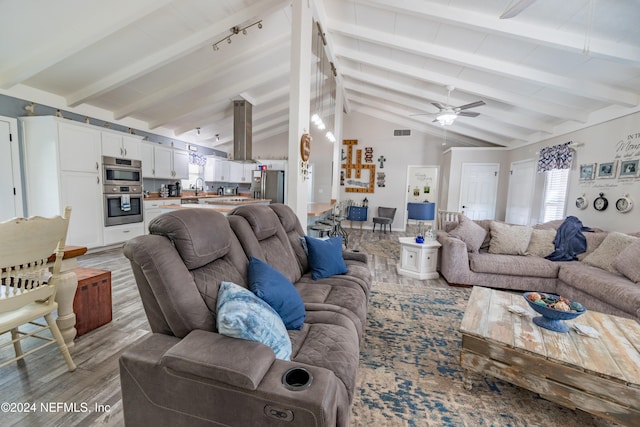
x=28, y=285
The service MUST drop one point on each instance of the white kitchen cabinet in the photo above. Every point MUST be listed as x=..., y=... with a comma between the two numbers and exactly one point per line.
x=63, y=167
x=121, y=233
x=146, y=154
x=180, y=164
x=236, y=172
x=121, y=145
x=164, y=162
x=248, y=171
x=222, y=171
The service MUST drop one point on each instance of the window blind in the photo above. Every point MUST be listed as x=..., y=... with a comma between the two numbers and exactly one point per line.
x=555, y=194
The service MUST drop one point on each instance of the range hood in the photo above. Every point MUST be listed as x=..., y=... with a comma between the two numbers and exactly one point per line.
x=242, y=124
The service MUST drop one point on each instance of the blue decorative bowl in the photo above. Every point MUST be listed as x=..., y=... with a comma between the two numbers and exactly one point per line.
x=551, y=318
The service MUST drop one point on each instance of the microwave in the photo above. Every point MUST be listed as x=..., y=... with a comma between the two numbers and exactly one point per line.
x=117, y=171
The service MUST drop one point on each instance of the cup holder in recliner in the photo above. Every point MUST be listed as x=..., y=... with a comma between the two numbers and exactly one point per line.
x=297, y=379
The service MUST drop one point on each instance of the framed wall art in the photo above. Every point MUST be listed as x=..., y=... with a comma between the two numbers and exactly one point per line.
x=628, y=168
x=607, y=170
x=587, y=172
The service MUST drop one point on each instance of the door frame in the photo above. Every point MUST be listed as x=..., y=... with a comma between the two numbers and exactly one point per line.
x=16, y=165
x=406, y=194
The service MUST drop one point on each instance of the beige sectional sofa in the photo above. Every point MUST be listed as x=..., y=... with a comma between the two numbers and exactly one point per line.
x=605, y=278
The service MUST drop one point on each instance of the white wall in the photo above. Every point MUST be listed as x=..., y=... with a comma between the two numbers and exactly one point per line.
x=417, y=149
x=456, y=157
x=617, y=139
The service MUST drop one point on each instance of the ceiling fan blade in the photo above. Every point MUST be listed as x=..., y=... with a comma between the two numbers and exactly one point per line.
x=468, y=114
x=471, y=105
x=516, y=9
x=420, y=114
x=438, y=105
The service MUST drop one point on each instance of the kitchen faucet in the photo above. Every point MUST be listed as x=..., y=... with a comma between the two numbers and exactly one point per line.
x=202, y=180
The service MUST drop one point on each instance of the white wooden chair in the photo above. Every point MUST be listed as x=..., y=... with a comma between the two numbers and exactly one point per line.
x=27, y=286
x=447, y=216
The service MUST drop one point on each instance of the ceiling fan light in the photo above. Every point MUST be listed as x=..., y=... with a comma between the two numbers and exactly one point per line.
x=446, y=119
x=315, y=118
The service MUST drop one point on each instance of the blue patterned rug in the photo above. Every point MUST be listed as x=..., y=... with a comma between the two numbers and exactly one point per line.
x=409, y=373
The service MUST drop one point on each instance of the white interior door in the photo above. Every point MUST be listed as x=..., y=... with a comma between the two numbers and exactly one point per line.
x=479, y=190
x=520, y=194
x=10, y=188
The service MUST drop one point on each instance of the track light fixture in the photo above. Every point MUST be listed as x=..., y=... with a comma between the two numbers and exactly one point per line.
x=235, y=31
x=217, y=137
x=198, y=131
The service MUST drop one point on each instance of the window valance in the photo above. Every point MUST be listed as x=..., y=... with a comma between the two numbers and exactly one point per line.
x=197, y=159
x=555, y=157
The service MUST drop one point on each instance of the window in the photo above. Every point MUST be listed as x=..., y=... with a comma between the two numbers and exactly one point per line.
x=555, y=194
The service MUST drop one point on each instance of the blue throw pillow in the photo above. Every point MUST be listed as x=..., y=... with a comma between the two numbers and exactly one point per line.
x=303, y=242
x=325, y=257
x=243, y=315
x=274, y=288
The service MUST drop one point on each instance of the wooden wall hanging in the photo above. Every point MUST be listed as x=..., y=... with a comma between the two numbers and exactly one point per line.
x=354, y=167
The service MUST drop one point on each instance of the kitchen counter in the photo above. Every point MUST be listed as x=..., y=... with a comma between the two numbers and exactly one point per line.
x=155, y=196
x=236, y=201
x=177, y=206
x=319, y=209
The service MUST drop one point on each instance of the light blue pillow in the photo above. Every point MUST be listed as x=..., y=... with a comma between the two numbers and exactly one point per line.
x=273, y=287
x=325, y=257
x=241, y=314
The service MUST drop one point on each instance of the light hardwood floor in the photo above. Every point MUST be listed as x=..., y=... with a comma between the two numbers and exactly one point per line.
x=92, y=392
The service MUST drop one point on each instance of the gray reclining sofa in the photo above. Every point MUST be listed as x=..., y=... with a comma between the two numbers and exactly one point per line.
x=186, y=373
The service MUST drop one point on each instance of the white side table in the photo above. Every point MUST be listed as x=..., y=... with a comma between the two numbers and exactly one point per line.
x=418, y=260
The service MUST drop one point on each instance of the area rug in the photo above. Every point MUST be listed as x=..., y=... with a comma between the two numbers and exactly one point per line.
x=409, y=373
x=382, y=247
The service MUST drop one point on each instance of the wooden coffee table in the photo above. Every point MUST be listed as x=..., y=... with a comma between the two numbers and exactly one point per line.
x=597, y=375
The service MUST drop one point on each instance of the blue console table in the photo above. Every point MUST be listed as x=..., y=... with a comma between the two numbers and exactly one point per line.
x=357, y=213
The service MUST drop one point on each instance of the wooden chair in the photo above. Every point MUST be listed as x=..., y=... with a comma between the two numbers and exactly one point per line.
x=27, y=286
x=447, y=216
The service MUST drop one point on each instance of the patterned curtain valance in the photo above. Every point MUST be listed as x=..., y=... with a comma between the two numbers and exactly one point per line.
x=197, y=159
x=555, y=157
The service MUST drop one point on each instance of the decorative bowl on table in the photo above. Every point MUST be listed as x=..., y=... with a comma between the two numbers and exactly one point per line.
x=553, y=309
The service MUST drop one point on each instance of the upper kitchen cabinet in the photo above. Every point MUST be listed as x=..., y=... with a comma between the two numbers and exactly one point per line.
x=217, y=169
x=164, y=162
x=62, y=167
x=118, y=144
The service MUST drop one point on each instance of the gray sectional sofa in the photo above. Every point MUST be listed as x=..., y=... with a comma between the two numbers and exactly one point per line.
x=187, y=372
x=604, y=278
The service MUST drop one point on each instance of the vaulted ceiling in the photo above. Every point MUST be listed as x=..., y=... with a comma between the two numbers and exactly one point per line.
x=553, y=66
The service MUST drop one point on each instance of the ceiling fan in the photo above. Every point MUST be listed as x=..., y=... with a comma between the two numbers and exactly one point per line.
x=516, y=9
x=448, y=113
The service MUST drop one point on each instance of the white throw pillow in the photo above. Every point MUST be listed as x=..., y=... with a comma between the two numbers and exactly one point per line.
x=509, y=239
x=542, y=242
x=609, y=249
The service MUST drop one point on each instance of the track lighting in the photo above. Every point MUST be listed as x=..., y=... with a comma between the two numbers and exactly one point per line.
x=234, y=31
x=217, y=137
x=198, y=131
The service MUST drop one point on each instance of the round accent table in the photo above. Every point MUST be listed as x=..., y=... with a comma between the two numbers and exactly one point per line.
x=418, y=260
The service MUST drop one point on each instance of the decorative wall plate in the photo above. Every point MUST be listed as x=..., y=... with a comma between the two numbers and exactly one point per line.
x=624, y=204
x=600, y=203
x=582, y=202
x=305, y=146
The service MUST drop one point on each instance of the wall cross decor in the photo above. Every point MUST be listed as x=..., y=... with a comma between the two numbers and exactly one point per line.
x=382, y=159
x=355, y=167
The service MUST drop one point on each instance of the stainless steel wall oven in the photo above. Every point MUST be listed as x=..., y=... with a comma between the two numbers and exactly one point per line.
x=121, y=171
x=122, y=190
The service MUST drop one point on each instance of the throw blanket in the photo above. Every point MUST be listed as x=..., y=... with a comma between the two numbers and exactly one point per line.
x=569, y=240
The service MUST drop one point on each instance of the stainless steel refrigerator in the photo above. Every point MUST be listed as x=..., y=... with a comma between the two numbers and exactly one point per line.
x=272, y=185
